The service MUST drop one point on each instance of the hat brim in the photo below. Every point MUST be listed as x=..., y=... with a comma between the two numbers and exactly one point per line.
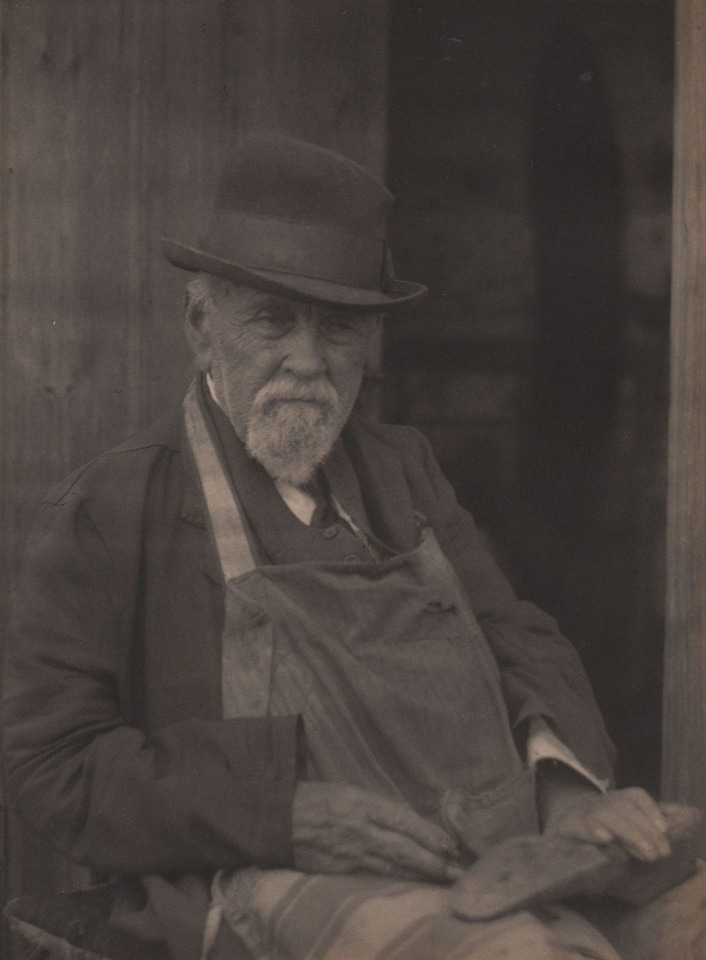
x=397, y=294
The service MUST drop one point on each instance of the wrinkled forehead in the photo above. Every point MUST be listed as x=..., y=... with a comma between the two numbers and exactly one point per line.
x=248, y=301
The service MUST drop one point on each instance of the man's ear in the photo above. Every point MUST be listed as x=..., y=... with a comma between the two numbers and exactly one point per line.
x=197, y=326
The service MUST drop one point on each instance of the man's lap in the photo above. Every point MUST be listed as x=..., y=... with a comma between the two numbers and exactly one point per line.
x=672, y=927
x=292, y=915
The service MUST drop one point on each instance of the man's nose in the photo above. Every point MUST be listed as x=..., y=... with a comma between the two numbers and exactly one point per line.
x=305, y=354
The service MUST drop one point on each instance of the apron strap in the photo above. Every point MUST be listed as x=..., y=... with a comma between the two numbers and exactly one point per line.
x=225, y=519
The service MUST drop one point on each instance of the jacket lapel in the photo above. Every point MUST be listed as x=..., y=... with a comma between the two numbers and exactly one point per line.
x=386, y=495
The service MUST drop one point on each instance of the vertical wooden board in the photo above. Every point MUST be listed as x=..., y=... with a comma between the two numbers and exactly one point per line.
x=64, y=253
x=317, y=70
x=61, y=281
x=93, y=95
x=187, y=113
x=117, y=118
x=684, y=766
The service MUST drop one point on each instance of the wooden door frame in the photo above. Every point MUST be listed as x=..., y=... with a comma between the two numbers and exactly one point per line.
x=684, y=723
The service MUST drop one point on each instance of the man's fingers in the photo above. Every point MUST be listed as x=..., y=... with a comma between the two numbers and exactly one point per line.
x=648, y=807
x=585, y=828
x=382, y=853
x=406, y=853
x=635, y=826
x=338, y=828
x=385, y=868
x=394, y=817
x=644, y=845
x=597, y=833
x=647, y=820
x=629, y=818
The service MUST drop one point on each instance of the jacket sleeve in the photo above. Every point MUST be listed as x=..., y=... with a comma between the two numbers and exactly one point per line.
x=541, y=672
x=200, y=794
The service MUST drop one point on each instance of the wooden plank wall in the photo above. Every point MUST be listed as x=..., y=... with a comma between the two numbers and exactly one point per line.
x=684, y=767
x=116, y=116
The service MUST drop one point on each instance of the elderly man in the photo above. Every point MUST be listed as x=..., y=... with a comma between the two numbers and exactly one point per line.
x=261, y=659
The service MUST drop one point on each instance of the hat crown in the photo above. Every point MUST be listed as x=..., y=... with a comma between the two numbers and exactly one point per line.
x=288, y=179
x=296, y=219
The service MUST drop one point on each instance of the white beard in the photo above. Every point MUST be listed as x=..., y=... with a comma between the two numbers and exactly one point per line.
x=292, y=427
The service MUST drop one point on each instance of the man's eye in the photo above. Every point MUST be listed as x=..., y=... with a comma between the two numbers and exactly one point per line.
x=273, y=324
x=342, y=328
x=339, y=323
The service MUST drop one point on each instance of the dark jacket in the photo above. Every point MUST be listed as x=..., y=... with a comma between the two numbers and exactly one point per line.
x=115, y=748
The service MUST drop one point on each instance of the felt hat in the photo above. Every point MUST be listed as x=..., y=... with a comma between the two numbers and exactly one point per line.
x=296, y=219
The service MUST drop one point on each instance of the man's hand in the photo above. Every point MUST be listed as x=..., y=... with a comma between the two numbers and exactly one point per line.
x=570, y=807
x=338, y=828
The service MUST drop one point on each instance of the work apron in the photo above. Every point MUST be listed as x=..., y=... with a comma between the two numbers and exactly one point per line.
x=398, y=692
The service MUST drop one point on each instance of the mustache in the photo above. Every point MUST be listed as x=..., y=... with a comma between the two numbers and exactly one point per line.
x=292, y=389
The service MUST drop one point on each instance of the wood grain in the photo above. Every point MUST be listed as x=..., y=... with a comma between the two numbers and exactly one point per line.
x=116, y=118
x=684, y=765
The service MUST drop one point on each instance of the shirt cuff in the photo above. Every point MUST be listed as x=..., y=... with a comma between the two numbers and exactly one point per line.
x=543, y=744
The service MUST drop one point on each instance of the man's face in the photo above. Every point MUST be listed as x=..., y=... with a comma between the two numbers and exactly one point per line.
x=286, y=373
